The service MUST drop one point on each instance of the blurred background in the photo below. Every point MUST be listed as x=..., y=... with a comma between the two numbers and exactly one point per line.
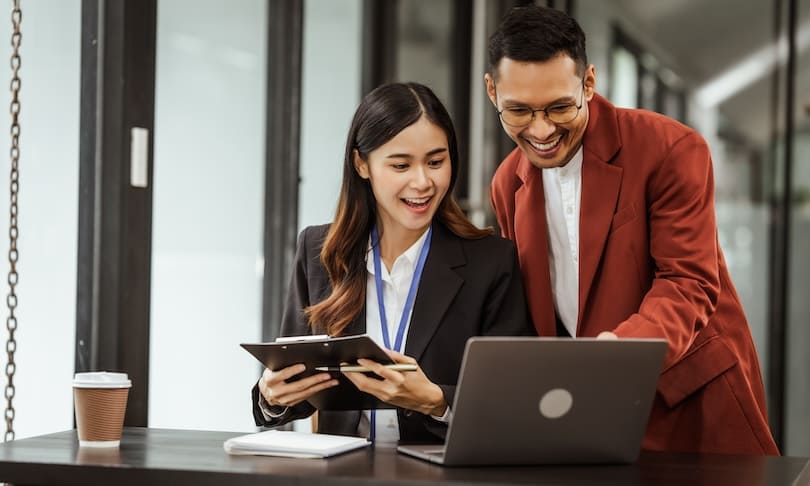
x=247, y=104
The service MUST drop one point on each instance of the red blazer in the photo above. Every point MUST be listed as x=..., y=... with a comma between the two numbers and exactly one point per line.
x=650, y=266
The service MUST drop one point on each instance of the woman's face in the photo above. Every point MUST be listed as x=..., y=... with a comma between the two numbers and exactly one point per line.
x=409, y=177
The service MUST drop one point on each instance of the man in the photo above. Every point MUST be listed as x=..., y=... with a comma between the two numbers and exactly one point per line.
x=612, y=211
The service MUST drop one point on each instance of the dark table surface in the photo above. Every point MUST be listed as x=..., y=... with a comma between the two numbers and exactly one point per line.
x=179, y=457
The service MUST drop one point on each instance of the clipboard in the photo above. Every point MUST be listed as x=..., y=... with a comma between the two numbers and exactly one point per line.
x=325, y=351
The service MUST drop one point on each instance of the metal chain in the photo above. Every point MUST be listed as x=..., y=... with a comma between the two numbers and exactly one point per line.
x=11, y=299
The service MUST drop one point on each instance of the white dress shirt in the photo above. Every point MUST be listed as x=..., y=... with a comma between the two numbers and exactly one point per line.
x=563, y=189
x=396, y=285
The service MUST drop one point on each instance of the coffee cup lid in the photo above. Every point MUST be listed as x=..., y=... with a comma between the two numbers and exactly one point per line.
x=101, y=379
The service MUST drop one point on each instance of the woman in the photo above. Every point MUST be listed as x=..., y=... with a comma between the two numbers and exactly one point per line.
x=398, y=231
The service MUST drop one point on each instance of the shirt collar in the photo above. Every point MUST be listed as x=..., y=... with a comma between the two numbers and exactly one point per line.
x=408, y=258
x=573, y=167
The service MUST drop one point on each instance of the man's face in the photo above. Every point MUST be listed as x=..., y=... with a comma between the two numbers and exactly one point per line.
x=553, y=85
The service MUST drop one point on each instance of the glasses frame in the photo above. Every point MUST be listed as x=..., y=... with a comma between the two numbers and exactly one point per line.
x=545, y=110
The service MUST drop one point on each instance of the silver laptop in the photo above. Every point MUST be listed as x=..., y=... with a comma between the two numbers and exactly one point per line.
x=523, y=400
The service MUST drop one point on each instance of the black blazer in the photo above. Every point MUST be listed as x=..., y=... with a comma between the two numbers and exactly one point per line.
x=468, y=288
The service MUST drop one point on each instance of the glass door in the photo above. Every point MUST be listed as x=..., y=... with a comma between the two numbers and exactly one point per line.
x=207, y=256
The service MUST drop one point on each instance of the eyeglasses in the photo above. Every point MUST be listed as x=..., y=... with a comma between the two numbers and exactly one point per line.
x=520, y=116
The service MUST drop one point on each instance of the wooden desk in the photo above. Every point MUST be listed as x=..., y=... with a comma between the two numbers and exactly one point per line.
x=190, y=457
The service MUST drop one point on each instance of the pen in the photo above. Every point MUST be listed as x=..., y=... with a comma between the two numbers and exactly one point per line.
x=395, y=367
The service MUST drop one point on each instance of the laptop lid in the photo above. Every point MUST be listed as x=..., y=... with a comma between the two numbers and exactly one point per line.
x=523, y=400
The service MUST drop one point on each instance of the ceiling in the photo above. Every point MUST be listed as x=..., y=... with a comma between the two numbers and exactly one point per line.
x=726, y=52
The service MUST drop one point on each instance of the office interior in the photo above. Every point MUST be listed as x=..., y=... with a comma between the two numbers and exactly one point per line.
x=161, y=269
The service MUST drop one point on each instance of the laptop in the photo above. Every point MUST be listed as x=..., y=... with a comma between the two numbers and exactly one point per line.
x=524, y=400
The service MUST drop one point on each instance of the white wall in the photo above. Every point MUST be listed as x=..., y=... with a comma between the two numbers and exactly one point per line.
x=48, y=211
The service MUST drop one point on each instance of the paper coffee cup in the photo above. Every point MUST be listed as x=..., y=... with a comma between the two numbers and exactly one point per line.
x=100, y=400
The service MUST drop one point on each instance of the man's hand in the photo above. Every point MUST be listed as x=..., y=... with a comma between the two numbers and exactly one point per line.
x=607, y=335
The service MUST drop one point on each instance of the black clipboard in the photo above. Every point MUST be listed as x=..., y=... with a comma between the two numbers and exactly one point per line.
x=325, y=351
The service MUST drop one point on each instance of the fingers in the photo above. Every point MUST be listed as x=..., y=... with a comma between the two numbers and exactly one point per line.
x=362, y=382
x=270, y=381
x=277, y=391
x=607, y=335
x=288, y=372
x=380, y=370
x=295, y=397
x=399, y=357
x=408, y=389
x=392, y=386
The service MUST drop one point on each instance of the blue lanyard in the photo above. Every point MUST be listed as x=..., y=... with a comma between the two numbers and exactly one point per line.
x=417, y=275
x=403, y=321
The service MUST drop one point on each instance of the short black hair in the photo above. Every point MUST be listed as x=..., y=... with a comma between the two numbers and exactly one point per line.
x=537, y=34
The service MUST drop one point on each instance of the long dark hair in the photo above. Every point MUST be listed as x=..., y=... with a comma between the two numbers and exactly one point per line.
x=382, y=114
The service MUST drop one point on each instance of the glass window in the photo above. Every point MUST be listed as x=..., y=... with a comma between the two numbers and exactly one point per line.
x=423, y=45
x=797, y=386
x=208, y=207
x=623, y=78
x=330, y=94
x=648, y=87
x=48, y=211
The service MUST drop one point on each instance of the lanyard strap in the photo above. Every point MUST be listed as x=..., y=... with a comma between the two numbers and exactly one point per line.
x=403, y=321
x=417, y=275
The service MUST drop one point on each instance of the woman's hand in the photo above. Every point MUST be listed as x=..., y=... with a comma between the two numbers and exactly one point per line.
x=277, y=392
x=406, y=389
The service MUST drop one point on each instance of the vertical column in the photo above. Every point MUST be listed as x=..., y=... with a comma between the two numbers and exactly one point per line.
x=781, y=213
x=115, y=195
x=285, y=31
x=379, y=43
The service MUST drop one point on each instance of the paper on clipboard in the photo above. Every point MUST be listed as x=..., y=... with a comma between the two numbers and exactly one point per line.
x=315, y=351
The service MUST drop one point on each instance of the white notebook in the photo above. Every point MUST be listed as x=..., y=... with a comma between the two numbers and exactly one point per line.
x=285, y=443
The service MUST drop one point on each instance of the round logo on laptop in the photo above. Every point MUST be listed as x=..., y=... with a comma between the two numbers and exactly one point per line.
x=556, y=403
